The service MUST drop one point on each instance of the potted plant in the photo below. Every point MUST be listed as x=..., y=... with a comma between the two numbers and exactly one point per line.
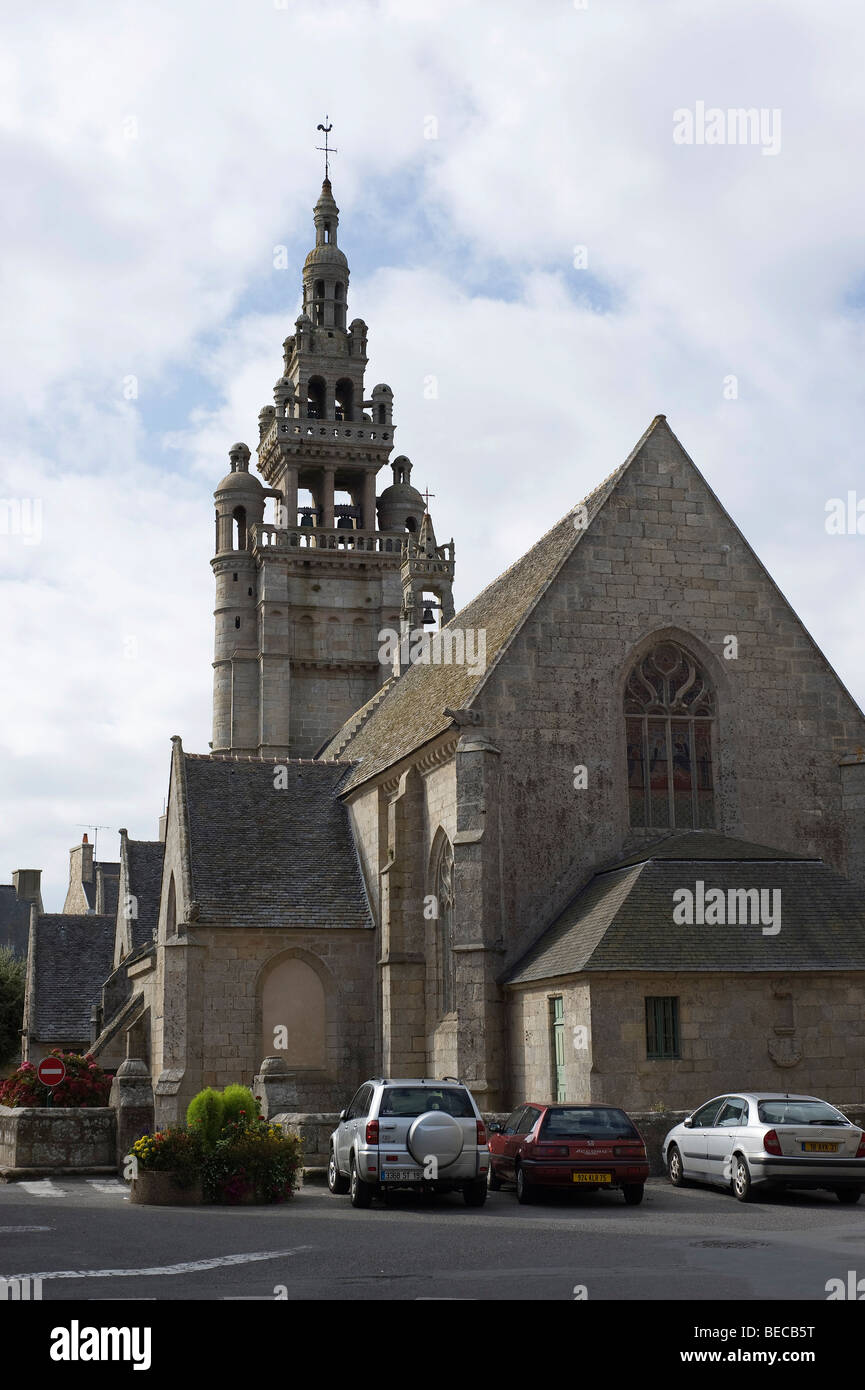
x=168, y=1168
x=252, y=1161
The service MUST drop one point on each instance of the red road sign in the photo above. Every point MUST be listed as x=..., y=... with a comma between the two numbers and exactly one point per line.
x=51, y=1071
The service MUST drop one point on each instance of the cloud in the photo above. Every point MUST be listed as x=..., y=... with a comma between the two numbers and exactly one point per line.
x=159, y=154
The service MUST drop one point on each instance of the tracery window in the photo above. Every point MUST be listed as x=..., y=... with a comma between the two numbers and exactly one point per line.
x=669, y=713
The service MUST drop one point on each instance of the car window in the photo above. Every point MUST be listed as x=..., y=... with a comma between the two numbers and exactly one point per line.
x=357, y=1100
x=512, y=1122
x=731, y=1114
x=528, y=1120
x=587, y=1122
x=411, y=1101
x=799, y=1112
x=705, y=1117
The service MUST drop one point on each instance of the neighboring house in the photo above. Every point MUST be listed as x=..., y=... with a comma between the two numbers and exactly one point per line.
x=68, y=958
x=15, y=900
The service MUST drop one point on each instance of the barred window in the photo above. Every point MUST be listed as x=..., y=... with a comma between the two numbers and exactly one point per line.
x=662, y=1026
x=669, y=713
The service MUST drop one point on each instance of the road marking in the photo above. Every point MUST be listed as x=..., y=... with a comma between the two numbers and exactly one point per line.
x=43, y=1188
x=11, y=1230
x=107, y=1185
x=188, y=1267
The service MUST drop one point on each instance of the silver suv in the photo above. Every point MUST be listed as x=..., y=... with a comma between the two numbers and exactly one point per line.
x=423, y=1134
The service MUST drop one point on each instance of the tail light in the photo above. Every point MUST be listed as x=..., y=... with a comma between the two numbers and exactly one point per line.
x=771, y=1142
x=635, y=1150
x=552, y=1150
x=860, y=1152
x=372, y=1131
x=482, y=1134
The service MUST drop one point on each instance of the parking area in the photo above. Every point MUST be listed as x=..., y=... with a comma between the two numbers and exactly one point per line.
x=88, y=1243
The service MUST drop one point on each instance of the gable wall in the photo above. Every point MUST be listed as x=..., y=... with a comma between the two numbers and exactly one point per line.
x=653, y=561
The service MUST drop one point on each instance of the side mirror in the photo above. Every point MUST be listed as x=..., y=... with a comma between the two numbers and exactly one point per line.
x=688, y=1122
x=342, y=1115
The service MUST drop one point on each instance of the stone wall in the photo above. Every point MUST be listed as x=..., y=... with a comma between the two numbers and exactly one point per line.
x=223, y=1025
x=728, y=1023
x=36, y=1141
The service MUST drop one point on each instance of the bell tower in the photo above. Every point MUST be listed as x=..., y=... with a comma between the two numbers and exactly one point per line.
x=301, y=599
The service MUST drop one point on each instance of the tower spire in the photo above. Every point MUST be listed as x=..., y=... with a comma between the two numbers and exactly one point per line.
x=325, y=148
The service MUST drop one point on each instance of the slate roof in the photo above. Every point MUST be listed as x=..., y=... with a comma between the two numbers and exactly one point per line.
x=74, y=954
x=14, y=920
x=144, y=880
x=263, y=857
x=623, y=918
x=412, y=712
x=111, y=881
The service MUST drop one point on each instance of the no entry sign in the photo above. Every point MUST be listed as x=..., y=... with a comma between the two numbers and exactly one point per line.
x=51, y=1071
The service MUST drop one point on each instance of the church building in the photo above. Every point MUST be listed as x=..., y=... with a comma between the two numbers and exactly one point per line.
x=598, y=836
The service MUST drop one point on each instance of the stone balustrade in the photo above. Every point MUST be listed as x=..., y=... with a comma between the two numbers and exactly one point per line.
x=269, y=537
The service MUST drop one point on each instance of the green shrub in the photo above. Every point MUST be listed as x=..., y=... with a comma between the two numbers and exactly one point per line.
x=206, y=1114
x=236, y=1098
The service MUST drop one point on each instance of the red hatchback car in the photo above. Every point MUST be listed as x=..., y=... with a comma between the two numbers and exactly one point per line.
x=575, y=1146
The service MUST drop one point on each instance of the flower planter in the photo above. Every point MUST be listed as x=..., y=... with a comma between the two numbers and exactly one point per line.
x=159, y=1189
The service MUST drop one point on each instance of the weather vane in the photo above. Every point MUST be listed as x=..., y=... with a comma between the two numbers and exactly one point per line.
x=328, y=151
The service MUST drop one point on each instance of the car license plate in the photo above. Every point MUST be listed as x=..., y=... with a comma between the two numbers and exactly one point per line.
x=820, y=1148
x=401, y=1174
x=591, y=1177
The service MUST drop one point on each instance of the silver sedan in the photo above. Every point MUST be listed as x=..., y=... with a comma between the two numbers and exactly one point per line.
x=767, y=1139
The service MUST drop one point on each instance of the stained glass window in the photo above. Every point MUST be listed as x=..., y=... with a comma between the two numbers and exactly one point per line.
x=669, y=710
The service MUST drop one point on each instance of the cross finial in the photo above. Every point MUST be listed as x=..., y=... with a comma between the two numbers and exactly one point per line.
x=426, y=497
x=328, y=150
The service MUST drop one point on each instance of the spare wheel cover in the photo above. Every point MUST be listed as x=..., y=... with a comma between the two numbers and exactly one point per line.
x=435, y=1134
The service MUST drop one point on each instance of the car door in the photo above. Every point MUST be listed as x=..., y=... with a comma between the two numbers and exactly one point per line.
x=528, y=1120
x=721, y=1137
x=507, y=1145
x=348, y=1128
x=692, y=1140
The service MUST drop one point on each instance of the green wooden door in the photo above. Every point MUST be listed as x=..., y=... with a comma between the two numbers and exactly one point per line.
x=557, y=1049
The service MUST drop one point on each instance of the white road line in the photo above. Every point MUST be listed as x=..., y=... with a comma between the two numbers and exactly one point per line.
x=43, y=1188
x=107, y=1185
x=12, y=1230
x=189, y=1267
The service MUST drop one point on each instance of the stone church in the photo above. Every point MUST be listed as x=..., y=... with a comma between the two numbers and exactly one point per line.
x=461, y=852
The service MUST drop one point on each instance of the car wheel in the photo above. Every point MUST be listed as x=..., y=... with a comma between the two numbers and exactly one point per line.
x=336, y=1182
x=493, y=1183
x=633, y=1193
x=675, y=1168
x=742, y=1189
x=524, y=1187
x=361, y=1192
x=475, y=1193
x=847, y=1196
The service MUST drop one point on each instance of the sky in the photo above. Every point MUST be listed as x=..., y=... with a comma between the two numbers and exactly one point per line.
x=543, y=257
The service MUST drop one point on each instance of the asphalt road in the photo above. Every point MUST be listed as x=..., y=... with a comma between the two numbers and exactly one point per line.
x=86, y=1242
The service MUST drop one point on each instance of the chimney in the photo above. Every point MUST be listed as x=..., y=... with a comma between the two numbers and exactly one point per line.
x=28, y=886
